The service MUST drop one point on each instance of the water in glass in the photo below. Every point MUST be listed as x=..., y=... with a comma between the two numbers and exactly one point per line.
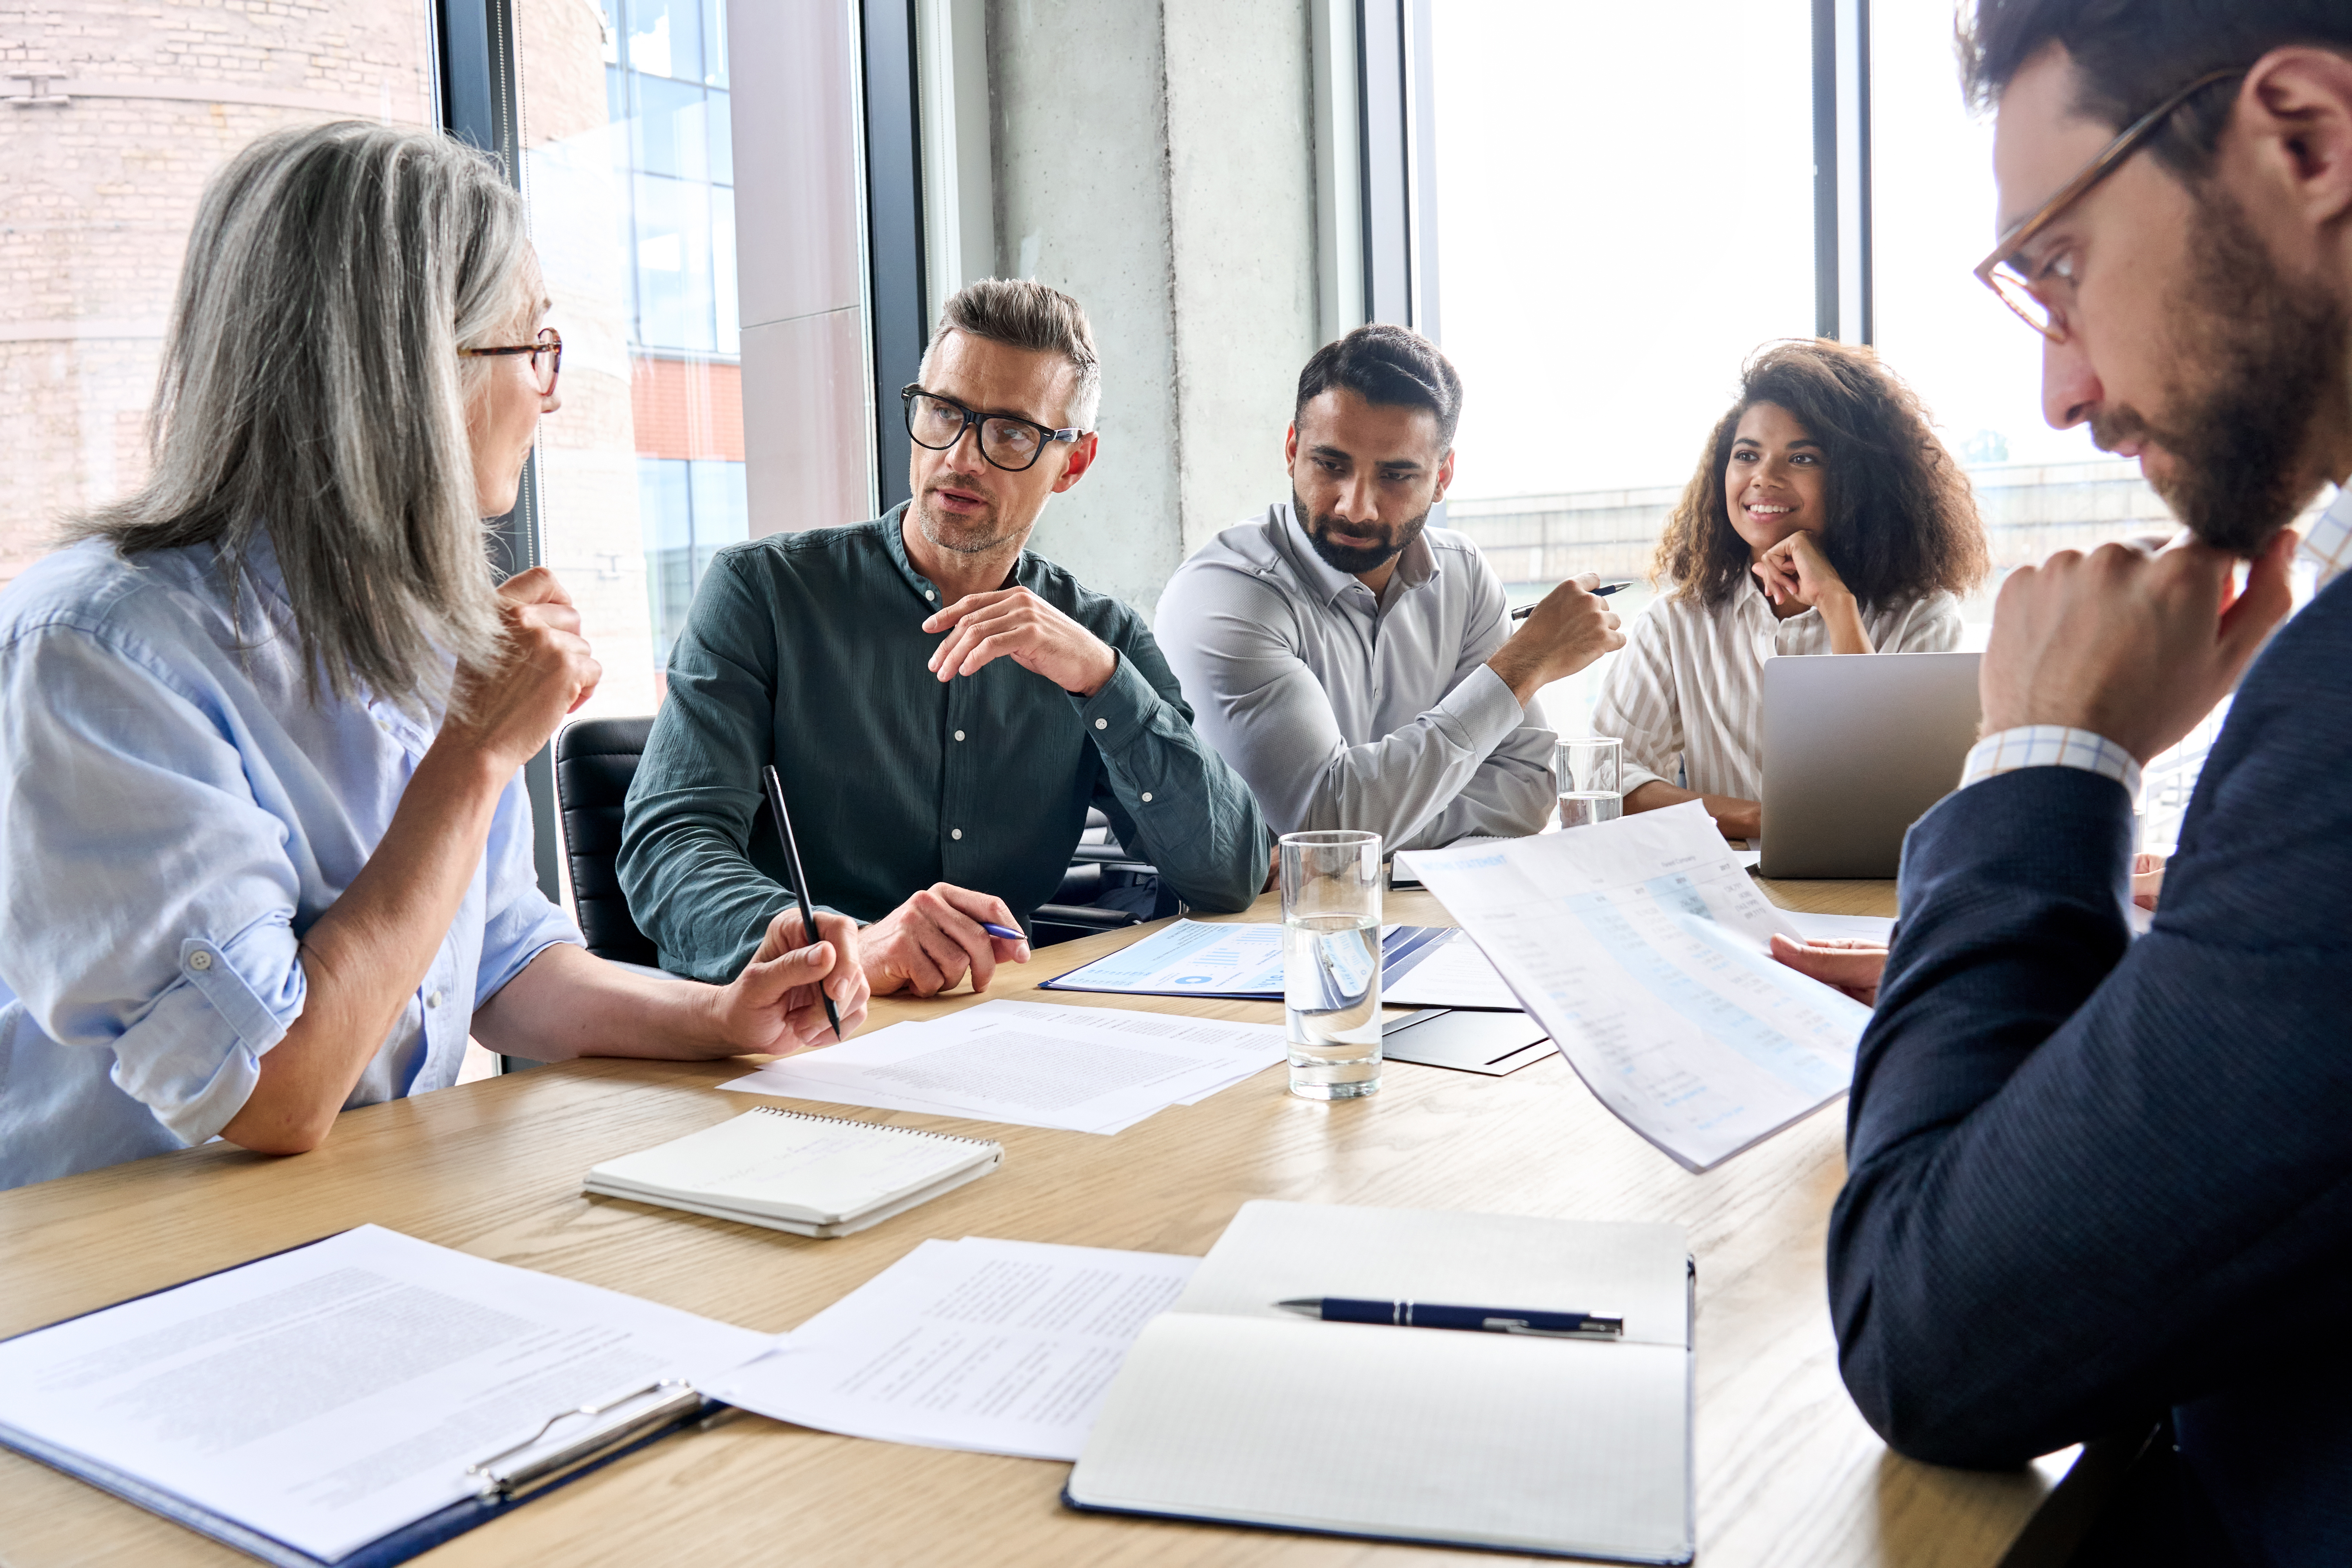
x=1331, y=1002
x=1579, y=807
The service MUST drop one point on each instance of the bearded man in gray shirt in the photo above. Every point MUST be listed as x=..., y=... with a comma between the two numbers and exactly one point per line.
x=1356, y=667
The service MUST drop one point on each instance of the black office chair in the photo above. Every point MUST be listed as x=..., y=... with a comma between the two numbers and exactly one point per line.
x=594, y=761
x=1104, y=889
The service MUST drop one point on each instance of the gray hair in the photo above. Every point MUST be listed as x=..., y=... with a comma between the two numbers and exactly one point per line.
x=1022, y=314
x=311, y=389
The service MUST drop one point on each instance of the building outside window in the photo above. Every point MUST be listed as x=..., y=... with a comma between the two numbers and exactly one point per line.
x=113, y=115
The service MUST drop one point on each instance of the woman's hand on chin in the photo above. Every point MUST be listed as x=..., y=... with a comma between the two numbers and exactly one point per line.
x=1797, y=569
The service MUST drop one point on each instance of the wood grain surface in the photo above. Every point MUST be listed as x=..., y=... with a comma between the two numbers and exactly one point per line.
x=1788, y=1473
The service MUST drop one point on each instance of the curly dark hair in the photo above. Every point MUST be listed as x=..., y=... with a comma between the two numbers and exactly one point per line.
x=1902, y=517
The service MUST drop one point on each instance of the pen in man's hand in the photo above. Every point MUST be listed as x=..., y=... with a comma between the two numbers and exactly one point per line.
x=1477, y=1320
x=1602, y=592
x=1007, y=933
x=800, y=884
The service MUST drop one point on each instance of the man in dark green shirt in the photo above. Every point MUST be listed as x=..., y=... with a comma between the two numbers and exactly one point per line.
x=942, y=705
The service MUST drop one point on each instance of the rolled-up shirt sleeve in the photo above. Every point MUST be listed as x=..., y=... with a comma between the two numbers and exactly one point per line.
x=148, y=903
x=522, y=922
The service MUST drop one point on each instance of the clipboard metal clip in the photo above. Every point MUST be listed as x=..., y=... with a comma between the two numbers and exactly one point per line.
x=674, y=1400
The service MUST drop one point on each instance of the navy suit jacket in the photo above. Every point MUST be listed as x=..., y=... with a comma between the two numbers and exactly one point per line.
x=2091, y=1178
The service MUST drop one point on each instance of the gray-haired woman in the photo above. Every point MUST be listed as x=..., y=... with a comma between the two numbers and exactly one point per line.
x=264, y=848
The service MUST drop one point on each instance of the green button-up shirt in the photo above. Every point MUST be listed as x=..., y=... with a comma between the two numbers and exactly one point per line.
x=807, y=650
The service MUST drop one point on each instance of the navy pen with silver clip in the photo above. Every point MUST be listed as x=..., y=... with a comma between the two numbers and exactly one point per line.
x=1477, y=1319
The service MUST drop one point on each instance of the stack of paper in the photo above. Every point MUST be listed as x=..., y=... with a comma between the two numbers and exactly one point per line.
x=1003, y=1347
x=1084, y=1069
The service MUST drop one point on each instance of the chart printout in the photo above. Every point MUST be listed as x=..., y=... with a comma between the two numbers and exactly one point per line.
x=1645, y=949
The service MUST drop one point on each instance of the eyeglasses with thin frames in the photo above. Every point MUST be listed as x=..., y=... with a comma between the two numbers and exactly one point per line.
x=2000, y=272
x=1006, y=440
x=546, y=357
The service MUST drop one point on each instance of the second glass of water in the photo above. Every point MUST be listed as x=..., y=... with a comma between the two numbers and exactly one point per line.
x=1331, y=962
x=1588, y=772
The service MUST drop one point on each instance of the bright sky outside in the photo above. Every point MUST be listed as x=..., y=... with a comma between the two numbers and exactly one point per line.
x=1625, y=212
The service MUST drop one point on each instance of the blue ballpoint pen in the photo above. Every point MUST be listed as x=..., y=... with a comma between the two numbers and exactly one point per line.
x=1007, y=933
x=1477, y=1320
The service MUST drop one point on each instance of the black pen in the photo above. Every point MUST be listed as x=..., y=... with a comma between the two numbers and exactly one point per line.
x=1477, y=1320
x=800, y=885
x=1602, y=592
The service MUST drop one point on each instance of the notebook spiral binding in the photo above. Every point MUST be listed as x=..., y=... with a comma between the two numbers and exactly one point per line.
x=876, y=1126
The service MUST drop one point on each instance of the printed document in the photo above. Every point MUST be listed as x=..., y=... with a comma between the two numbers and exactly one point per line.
x=1226, y=962
x=1086, y=1070
x=331, y=1394
x=1454, y=974
x=1002, y=1347
x=1645, y=951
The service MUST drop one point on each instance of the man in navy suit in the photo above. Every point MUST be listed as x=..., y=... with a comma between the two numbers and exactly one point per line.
x=2096, y=1183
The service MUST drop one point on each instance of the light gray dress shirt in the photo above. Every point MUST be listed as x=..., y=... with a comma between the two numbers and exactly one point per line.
x=1342, y=710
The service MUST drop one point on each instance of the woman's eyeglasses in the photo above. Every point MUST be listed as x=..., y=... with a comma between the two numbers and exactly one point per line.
x=546, y=357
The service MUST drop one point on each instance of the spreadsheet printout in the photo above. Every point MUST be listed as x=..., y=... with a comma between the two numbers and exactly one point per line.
x=1645, y=949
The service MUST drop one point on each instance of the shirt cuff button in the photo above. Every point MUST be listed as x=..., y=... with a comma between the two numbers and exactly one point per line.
x=1102, y=723
x=1147, y=797
x=200, y=960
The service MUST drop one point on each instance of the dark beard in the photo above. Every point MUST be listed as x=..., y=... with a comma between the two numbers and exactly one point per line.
x=1351, y=559
x=2259, y=358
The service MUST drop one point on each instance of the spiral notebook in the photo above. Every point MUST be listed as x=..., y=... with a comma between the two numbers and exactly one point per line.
x=812, y=1175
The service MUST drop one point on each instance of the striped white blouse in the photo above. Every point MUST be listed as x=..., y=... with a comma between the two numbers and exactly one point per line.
x=1686, y=692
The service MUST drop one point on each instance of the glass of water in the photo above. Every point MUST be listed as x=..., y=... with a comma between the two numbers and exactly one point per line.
x=1589, y=777
x=1331, y=962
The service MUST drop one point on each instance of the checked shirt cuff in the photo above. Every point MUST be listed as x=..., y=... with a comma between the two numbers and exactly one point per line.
x=2051, y=746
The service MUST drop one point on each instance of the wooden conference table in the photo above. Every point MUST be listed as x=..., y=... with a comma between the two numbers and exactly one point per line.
x=1788, y=1473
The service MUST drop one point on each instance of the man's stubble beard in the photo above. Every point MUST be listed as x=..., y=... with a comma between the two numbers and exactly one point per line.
x=966, y=542
x=1339, y=557
x=2260, y=359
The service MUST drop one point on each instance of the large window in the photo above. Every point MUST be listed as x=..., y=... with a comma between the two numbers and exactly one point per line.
x=114, y=117
x=630, y=122
x=1615, y=239
x=1620, y=225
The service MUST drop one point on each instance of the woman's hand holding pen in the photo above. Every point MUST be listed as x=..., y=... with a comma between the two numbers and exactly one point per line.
x=773, y=1008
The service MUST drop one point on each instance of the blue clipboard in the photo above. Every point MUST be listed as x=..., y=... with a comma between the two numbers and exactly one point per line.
x=598, y=1448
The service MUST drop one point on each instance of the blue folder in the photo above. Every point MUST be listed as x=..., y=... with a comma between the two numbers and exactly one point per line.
x=595, y=1451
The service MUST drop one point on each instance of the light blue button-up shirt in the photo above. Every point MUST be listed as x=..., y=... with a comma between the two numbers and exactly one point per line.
x=174, y=812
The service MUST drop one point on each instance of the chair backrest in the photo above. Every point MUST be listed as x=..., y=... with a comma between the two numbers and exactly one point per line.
x=594, y=761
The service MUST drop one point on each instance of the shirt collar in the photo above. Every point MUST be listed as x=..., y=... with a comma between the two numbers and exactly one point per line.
x=2329, y=542
x=894, y=540
x=1416, y=565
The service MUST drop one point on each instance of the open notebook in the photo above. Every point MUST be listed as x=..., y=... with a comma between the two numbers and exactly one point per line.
x=1230, y=1410
x=813, y=1175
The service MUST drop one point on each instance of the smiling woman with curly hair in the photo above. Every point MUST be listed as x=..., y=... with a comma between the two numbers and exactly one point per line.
x=1825, y=517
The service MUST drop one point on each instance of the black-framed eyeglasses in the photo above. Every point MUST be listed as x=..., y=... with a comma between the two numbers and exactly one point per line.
x=1006, y=440
x=546, y=357
x=2000, y=271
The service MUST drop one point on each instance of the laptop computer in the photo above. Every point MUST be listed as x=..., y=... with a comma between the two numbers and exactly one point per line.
x=1856, y=748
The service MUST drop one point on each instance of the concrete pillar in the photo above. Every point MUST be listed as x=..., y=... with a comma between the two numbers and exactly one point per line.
x=1155, y=159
